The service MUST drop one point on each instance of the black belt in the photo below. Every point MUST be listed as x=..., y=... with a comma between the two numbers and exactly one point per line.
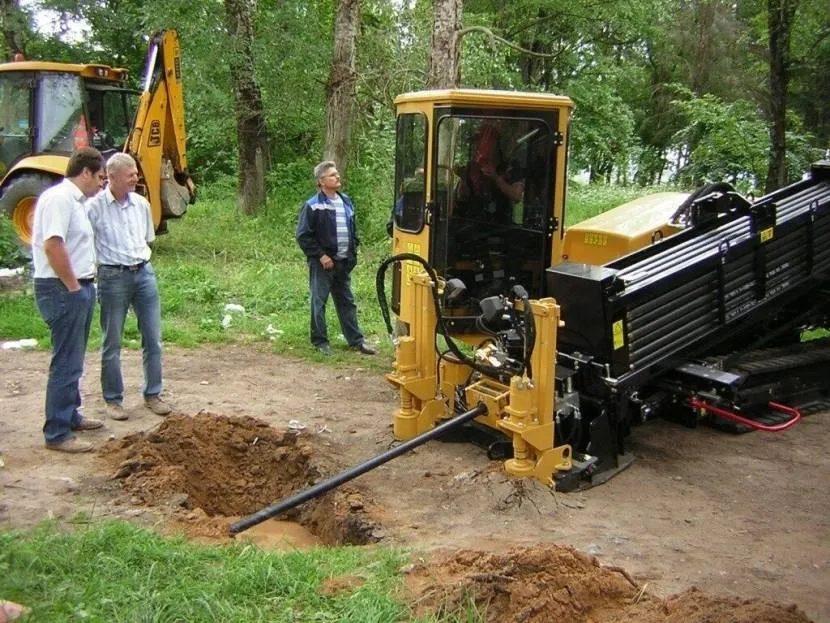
x=86, y=281
x=132, y=269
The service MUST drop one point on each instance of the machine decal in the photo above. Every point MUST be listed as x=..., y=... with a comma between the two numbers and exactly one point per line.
x=619, y=334
x=412, y=268
x=767, y=234
x=595, y=239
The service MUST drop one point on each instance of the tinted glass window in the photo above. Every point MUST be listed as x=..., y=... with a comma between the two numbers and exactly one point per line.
x=15, y=99
x=110, y=117
x=492, y=199
x=60, y=112
x=408, y=210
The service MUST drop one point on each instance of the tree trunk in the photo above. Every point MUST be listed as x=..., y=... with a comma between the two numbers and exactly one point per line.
x=254, y=157
x=445, y=53
x=13, y=24
x=780, y=17
x=340, y=91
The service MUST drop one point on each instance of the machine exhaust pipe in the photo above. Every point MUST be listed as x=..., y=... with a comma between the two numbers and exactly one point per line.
x=335, y=481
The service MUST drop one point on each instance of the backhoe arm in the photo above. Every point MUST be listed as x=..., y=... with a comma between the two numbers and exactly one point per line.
x=157, y=138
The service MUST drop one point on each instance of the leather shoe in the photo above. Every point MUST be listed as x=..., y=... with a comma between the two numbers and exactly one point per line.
x=157, y=405
x=324, y=349
x=116, y=411
x=72, y=445
x=365, y=349
x=87, y=424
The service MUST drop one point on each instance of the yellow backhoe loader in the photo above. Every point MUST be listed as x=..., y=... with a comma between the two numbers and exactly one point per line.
x=47, y=110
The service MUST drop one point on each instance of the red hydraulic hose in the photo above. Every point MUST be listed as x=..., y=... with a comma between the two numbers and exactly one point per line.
x=728, y=415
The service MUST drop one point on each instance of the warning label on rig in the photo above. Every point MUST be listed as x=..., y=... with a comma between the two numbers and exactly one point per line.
x=619, y=336
x=767, y=234
x=412, y=268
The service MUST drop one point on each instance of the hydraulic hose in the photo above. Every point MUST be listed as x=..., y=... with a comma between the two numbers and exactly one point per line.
x=335, y=481
x=442, y=329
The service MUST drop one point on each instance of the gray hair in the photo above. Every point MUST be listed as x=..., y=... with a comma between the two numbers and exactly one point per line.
x=320, y=169
x=118, y=162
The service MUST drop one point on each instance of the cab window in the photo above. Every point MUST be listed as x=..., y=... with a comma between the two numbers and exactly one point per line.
x=15, y=103
x=62, y=127
x=408, y=210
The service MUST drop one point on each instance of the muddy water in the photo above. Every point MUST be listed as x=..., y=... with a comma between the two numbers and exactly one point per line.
x=280, y=535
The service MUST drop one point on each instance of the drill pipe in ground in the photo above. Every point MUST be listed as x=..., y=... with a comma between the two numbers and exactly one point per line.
x=335, y=481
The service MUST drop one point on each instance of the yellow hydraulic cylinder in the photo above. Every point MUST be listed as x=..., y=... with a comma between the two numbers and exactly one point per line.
x=520, y=414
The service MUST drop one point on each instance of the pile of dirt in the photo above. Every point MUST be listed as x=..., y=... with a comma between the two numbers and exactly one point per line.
x=217, y=468
x=553, y=583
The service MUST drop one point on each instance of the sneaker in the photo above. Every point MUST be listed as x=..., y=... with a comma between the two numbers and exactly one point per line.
x=73, y=445
x=365, y=349
x=87, y=424
x=115, y=411
x=324, y=349
x=157, y=405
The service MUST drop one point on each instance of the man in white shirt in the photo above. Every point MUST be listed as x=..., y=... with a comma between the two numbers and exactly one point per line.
x=123, y=224
x=64, y=258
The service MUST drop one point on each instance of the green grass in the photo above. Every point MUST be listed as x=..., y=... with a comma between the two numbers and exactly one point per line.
x=115, y=571
x=216, y=256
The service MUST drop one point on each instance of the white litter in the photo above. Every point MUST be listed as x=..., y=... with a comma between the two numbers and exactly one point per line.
x=20, y=344
x=270, y=330
x=226, y=321
x=233, y=307
x=296, y=425
x=11, y=272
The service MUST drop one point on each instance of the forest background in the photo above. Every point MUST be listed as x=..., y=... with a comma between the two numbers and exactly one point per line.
x=667, y=92
x=672, y=91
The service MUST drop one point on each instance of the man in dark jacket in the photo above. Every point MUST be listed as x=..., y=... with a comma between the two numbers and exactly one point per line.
x=326, y=234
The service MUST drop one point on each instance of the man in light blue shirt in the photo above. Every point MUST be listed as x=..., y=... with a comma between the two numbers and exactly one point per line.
x=64, y=258
x=123, y=225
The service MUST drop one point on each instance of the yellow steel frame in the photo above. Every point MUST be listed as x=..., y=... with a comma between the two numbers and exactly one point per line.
x=524, y=411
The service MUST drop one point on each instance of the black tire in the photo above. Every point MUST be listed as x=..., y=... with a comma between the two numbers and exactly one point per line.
x=17, y=202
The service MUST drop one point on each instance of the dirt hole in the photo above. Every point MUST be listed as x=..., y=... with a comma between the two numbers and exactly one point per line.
x=557, y=583
x=218, y=468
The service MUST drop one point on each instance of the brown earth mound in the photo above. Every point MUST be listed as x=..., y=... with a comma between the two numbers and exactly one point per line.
x=552, y=583
x=220, y=468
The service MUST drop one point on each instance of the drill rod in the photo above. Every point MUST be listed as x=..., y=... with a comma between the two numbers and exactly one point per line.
x=335, y=481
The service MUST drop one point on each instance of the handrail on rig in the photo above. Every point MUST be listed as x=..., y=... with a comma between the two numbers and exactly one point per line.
x=795, y=415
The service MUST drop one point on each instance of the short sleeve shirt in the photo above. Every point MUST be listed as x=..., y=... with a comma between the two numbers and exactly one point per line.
x=60, y=213
x=122, y=230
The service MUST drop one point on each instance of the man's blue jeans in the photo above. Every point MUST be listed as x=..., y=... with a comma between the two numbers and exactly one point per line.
x=338, y=283
x=69, y=316
x=118, y=290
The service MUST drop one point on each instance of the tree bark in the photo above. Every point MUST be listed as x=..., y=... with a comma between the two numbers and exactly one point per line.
x=780, y=17
x=445, y=53
x=340, y=91
x=254, y=156
x=13, y=24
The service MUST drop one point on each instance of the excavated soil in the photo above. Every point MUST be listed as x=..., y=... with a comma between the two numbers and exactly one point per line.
x=742, y=518
x=220, y=468
x=552, y=583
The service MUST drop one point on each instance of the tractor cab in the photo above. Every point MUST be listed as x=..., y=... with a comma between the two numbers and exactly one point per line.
x=479, y=190
x=47, y=110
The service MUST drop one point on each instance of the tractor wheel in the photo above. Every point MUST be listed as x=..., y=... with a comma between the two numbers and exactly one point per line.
x=17, y=202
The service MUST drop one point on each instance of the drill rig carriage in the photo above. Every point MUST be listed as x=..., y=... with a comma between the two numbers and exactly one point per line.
x=663, y=302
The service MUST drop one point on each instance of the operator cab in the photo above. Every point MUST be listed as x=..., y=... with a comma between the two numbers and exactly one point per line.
x=55, y=108
x=479, y=189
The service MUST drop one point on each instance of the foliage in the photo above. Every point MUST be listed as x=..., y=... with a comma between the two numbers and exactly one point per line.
x=114, y=571
x=722, y=141
x=11, y=254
